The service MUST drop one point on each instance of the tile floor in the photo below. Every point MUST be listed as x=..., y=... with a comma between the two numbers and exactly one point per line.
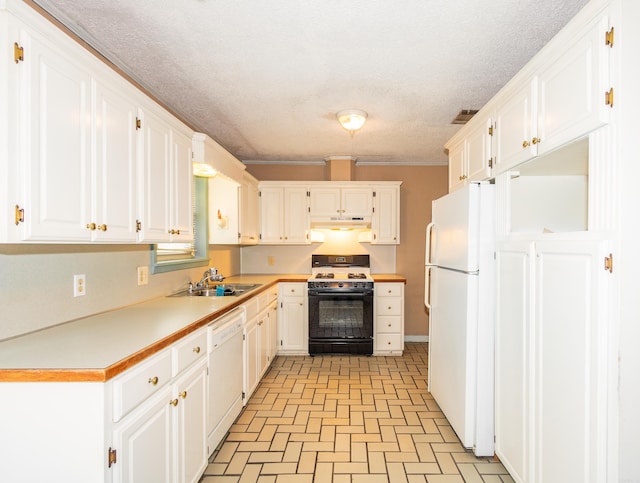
x=346, y=419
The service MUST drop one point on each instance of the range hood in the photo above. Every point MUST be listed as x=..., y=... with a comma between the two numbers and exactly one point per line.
x=339, y=222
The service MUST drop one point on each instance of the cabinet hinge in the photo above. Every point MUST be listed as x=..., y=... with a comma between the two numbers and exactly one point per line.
x=608, y=97
x=19, y=216
x=239, y=235
x=138, y=123
x=308, y=194
x=18, y=53
x=490, y=130
x=280, y=342
x=491, y=162
x=112, y=457
x=244, y=337
x=138, y=226
x=608, y=37
x=308, y=209
x=259, y=194
x=608, y=263
x=243, y=394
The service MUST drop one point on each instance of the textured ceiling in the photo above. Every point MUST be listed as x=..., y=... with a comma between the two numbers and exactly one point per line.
x=265, y=78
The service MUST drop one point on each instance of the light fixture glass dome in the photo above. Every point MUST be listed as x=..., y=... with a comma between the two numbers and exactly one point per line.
x=352, y=119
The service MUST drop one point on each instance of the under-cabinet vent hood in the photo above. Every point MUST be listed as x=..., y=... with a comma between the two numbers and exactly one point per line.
x=342, y=223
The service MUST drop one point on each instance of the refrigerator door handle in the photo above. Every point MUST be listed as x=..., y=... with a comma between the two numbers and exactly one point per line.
x=427, y=286
x=427, y=256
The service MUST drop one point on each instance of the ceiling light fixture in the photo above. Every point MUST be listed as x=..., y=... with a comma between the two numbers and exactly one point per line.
x=352, y=119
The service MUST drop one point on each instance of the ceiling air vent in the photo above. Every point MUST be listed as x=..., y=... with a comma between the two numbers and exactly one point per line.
x=464, y=116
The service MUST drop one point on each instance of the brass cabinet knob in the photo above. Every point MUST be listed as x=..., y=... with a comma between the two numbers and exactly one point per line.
x=196, y=349
x=174, y=232
x=153, y=380
x=525, y=144
x=102, y=227
x=91, y=226
x=183, y=394
x=535, y=140
x=389, y=343
x=389, y=325
x=174, y=402
x=389, y=308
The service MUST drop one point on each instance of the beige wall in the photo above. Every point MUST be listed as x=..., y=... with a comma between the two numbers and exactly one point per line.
x=420, y=185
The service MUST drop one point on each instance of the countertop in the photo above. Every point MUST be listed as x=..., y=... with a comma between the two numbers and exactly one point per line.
x=99, y=347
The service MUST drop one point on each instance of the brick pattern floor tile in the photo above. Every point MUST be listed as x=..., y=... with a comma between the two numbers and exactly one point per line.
x=347, y=419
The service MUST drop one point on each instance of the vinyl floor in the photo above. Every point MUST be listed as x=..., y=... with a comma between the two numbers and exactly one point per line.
x=344, y=419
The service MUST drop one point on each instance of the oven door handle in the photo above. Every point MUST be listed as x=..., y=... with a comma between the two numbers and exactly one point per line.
x=333, y=294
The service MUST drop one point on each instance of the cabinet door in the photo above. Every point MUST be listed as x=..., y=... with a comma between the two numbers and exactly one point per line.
x=515, y=122
x=251, y=358
x=296, y=216
x=114, y=177
x=571, y=90
x=271, y=215
x=324, y=202
x=181, y=201
x=55, y=143
x=191, y=443
x=385, y=223
x=513, y=358
x=249, y=205
x=457, y=166
x=293, y=324
x=223, y=211
x=357, y=202
x=273, y=330
x=478, y=148
x=144, y=441
x=263, y=344
x=155, y=182
x=570, y=404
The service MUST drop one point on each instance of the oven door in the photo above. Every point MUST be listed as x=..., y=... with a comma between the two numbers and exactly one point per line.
x=340, y=322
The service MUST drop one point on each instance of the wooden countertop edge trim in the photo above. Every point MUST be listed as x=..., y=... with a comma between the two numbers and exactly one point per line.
x=103, y=375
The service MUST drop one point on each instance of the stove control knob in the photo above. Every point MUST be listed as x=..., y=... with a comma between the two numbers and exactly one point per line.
x=340, y=284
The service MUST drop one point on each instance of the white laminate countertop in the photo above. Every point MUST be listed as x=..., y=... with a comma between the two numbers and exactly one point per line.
x=98, y=347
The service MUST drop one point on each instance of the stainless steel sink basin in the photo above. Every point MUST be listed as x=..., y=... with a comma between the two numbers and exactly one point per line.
x=228, y=289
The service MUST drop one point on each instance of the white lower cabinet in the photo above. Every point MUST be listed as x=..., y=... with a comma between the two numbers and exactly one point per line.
x=388, y=324
x=163, y=438
x=552, y=360
x=293, y=317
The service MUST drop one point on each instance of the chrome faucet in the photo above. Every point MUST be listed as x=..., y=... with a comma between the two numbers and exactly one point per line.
x=210, y=275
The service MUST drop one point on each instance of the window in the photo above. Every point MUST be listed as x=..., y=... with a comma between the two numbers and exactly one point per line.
x=166, y=257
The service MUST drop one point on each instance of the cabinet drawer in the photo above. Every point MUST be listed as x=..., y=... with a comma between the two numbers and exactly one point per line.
x=251, y=308
x=388, y=289
x=140, y=382
x=389, y=324
x=189, y=350
x=292, y=289
x=389, y=306
x=389, y=342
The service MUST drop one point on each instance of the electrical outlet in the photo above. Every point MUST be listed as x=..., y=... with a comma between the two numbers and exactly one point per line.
x=143, y=275
x=79, y=285
x=271, y=261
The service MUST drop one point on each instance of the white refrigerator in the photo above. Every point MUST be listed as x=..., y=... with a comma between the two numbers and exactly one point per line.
x=460, y=296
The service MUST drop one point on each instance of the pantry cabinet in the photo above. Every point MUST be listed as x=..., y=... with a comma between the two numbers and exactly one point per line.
x=284, y=218
x=293, y=316
x=551, y=364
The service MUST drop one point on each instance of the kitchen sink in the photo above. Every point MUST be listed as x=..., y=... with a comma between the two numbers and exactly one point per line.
x=228, y=289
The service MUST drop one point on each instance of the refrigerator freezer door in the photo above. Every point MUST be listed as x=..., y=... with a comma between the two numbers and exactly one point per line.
x=452, y=349
x=456, y=219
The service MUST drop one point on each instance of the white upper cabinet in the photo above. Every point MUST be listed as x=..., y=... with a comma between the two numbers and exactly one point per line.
x=284, y=217
x=223, y=211
x=470, y=155
x=54, y=136
x=334, y=201
x=85, y=170
x=165, y=189
x=249, y=205
x=385, y=224
x=567, y=96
